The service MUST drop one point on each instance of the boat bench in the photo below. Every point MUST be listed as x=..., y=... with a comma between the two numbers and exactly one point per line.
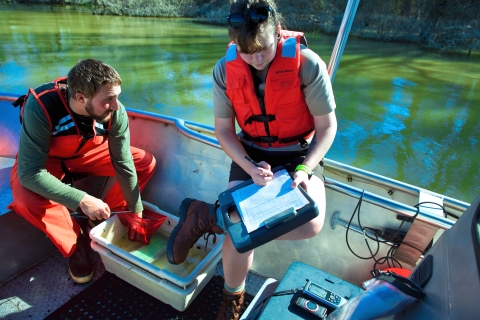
x=22, y=245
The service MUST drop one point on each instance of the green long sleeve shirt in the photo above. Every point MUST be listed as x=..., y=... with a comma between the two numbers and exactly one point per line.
x=33, y=151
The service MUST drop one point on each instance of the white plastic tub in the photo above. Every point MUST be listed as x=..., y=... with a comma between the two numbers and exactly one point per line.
x=174, y=285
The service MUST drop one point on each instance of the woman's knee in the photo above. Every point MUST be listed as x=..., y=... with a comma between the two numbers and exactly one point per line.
x=314, y=227
x=230, y=252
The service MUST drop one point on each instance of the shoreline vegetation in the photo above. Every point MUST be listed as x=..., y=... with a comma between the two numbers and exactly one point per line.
x=444, y=25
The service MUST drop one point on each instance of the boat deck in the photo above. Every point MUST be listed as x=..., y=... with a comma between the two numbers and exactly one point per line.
x=40, y=290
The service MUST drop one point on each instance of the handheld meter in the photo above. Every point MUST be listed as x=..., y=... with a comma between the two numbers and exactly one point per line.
x=322, y=295
x=312, y=307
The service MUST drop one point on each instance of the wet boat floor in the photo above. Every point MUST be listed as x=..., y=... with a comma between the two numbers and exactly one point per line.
x=46, y=290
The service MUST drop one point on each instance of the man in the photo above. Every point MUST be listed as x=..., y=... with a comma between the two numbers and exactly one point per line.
x=76, y=125
x=280, y=94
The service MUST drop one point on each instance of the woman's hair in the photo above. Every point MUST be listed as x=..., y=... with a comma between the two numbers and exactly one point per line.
x=246, y=36
x=88, y=76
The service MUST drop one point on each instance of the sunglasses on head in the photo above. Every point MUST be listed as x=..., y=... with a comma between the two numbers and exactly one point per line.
x=255, y=15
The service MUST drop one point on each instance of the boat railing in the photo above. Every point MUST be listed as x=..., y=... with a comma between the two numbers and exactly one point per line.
x=7, y=97
x=205, y=134
x=193, y=130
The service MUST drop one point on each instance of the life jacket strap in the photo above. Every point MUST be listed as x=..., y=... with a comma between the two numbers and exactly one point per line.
x=300, y=137
x=271, y=139
x=260, y=118
x=19, y=101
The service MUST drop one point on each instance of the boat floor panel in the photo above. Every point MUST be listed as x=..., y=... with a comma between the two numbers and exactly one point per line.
x=40, y=290
x=111, y=298
x=46, y=286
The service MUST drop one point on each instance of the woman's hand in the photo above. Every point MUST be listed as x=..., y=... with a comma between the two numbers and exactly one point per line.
x=261, y=175
x=301, y=178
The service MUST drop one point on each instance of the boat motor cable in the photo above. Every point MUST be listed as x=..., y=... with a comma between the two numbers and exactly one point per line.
x=263, y=302
x=389, y=259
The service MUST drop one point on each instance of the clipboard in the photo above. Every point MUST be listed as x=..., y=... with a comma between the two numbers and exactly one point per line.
x=276, y=226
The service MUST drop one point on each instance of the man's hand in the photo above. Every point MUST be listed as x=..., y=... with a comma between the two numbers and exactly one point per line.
x=261, y=175
x=300, y=178
x=94, y=208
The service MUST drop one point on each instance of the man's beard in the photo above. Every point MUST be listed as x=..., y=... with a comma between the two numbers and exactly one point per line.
x=99, y=118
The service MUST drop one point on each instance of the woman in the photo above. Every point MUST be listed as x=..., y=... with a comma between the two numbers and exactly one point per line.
x=280, y=94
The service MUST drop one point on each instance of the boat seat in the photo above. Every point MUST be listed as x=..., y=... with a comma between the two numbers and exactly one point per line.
x=453, y=281
x=420, y=234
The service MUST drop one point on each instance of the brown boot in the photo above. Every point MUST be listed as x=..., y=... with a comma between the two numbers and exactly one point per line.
x=196, y=218
x=232, y=306
x=80, y=264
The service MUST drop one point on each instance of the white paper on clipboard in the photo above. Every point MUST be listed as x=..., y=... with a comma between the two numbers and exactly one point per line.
x=256, y=204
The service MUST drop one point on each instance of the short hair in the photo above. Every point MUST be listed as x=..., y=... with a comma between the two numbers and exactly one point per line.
x=246, y=36
x=88, y=76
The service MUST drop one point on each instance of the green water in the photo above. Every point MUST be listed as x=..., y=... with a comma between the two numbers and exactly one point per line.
x=404, y=112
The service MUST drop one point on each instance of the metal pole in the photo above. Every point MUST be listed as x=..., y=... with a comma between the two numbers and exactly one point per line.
x=337, y=221
x=342, y=37
x=389, y=204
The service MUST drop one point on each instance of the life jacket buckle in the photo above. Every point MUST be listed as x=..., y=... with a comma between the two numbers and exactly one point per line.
x=19, y=101
x=303, y=143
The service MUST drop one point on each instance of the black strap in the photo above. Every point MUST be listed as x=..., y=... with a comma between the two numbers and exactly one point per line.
x=63, y=90
x=260, y=138
x=68, y=178
x=19, y=101
x=260, y=118
x=405, y=285
x=270, y=139
x=299, y=137
x=303, y=40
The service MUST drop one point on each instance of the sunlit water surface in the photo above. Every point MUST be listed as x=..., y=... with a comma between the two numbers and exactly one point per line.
x=404, y=112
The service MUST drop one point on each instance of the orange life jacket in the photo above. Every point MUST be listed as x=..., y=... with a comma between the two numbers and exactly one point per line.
x=66, y=140
x=282, y=117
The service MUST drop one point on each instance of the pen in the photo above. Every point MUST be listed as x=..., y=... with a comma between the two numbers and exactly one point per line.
x=255, y=163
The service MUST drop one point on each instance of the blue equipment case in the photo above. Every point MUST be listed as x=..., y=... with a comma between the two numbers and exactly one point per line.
x=275, y=227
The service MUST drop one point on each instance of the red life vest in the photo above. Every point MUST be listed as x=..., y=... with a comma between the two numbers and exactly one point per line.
x=282, y=117
x=67, y=140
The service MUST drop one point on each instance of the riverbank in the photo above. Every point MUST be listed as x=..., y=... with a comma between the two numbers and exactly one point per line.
x=441, y=26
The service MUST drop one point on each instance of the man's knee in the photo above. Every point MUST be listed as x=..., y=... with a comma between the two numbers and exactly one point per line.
x=152, y=162
x=144, y=162
x=24, y=199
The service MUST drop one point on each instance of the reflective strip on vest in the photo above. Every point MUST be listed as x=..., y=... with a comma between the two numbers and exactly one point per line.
x=231, y=52
x=289, y=48
x=64, y=124
x=99, y=125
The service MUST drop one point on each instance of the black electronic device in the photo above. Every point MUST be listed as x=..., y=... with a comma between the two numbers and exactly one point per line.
x=312, y=307
x=323, y=296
